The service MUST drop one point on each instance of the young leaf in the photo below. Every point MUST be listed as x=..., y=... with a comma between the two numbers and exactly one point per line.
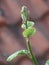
x=28, y=32
x=47, y=62
x=20, y=52
x=24, y=13
x=23, y=26
x=29, y=24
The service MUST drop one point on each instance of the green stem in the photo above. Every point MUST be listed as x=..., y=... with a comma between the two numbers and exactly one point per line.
x=31, y=54
x=26, y=24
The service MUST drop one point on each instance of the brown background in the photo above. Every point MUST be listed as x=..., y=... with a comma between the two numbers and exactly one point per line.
x=11, y=38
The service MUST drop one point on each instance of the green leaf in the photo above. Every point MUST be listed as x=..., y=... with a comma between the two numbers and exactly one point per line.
x=47, y=62
x=28, y=32
x=20, y=52
x=23, y=26
x=24, y=13
x=29, y=24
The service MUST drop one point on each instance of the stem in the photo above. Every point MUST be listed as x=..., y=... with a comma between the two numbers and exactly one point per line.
x=26, y=24
x=27, y=40
x=31, y=54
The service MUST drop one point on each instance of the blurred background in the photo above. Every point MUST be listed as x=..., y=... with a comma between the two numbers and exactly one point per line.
x=11, y=39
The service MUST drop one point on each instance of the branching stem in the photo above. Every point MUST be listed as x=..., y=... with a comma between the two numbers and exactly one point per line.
x=31, y=54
